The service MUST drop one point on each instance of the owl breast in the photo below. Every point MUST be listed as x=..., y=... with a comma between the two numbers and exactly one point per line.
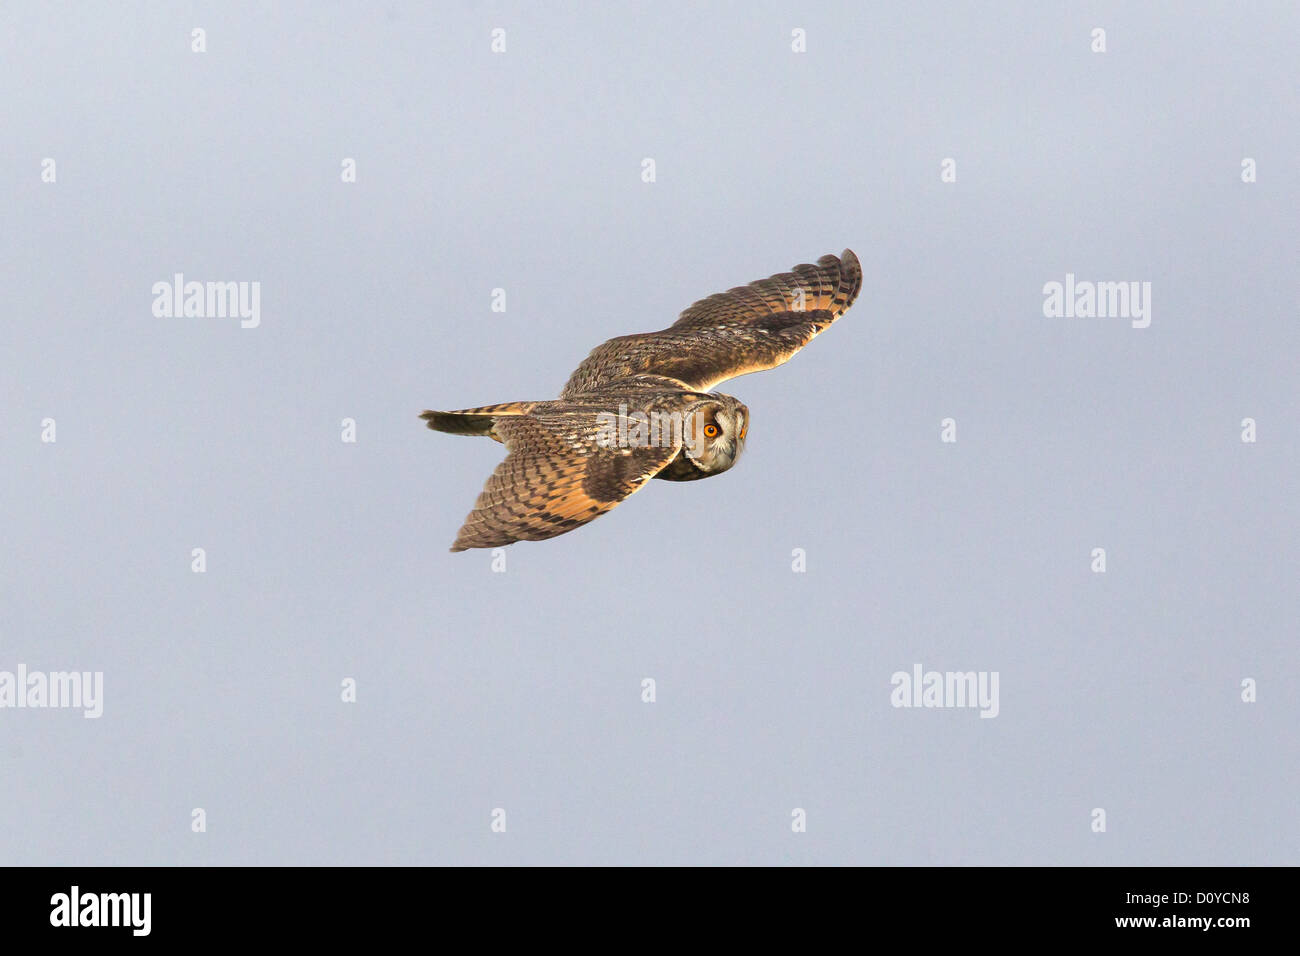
x=682, y=468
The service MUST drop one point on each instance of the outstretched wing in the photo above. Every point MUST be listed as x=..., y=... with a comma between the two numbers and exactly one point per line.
x=748, y=329
x=555, y=477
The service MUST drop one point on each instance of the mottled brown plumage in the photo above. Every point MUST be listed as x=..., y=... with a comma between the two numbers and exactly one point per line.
x=566, y=464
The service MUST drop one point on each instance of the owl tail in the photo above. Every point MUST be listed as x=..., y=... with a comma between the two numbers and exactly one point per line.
x=475, y=421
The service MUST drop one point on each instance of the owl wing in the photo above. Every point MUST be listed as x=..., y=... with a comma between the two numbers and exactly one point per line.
x=555, y=477
x=748, y=329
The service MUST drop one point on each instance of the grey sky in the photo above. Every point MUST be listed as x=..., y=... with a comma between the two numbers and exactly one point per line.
x=522, y=690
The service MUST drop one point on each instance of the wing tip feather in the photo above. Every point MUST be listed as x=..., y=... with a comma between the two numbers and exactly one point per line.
x=850, y=284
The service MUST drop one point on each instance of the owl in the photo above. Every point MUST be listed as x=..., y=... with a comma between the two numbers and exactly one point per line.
x=641, y=407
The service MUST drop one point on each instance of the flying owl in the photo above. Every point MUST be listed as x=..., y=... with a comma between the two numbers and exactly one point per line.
x=640, y=407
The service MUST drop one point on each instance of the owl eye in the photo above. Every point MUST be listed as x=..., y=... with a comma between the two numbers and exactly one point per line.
x=744, y=428
x=710, y=430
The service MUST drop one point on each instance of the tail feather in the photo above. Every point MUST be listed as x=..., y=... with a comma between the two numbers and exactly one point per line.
x=475, y=421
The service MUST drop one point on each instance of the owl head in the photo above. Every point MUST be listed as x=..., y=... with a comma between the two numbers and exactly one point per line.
x=714, y=433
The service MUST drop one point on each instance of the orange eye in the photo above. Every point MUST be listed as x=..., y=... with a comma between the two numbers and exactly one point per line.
x=710, y=430
x=743, y=428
